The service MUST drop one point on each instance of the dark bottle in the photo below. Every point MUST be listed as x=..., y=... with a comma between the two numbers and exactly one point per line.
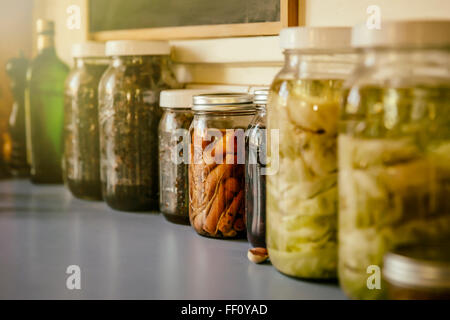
x=16, y=68
x=255, y=179
x=129, y=116
x=44, y=101
x=81, y=137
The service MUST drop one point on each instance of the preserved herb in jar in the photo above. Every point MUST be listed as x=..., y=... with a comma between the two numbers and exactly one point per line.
x=394, y=148
x=216, y=168
x=302, y=196
x=129, y=116
x=173, y=162
x=255, y=179
x=81, y=149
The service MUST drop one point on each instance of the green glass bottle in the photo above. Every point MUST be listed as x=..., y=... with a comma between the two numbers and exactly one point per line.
x=45, y=108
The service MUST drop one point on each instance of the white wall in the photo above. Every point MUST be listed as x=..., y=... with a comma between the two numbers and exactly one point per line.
x=246, y=61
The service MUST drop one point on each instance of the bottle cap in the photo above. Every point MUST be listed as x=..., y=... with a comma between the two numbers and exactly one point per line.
x=180, y=98
x=419, y=33
x=45, y=26
x=315, y=38
x=137, y=48
x=88, y=49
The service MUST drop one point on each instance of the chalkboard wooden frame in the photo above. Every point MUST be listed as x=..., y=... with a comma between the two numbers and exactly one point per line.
x=289, y=16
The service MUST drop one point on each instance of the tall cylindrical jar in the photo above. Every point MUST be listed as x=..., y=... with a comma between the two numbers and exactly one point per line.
x=216, y=167
x=255, y=175
x=129, y=115
x=173, y=161
x=81, y=139
x=394, y=149
x=303, y=110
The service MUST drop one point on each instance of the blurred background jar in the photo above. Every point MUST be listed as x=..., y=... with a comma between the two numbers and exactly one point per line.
x=418, y=272
x=394, y=147
x=16, y=69
x=44, y=108
x=173, y=161
x=216, y=168
x=81, y=149
x=129, y=116
x=255, y=179
x=303, y=107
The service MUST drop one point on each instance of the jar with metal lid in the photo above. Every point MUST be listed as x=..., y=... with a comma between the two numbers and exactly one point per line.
x=173, y=162
x=420, y=272
x=255, y=178
x=216, y=167
x=303, y=109
x=129, y=116
x=81, y=138
x=394, y=147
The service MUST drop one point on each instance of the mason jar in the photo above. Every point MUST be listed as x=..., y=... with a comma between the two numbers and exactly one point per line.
x=255, y=178
x=81, y=137
x=129, y=116
x=216, y=167
x=394, y=148
x=303, y=109
x=173, y=162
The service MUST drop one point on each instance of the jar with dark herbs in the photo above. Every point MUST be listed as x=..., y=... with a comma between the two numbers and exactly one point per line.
x=173, y=162
x=81, y=137
x=129, y=116
x=255, y=179
x=216, y=167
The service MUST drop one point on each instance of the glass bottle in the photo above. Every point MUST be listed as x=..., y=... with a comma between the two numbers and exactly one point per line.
x=129, y=116
x=16, y=69
x=45, y=108
x=255, y=178
x=394, y=149
x=303, y=108
x=81, y=149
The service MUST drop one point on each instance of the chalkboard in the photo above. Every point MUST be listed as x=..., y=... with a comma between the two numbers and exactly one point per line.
x=265, y=16
x=139, y=14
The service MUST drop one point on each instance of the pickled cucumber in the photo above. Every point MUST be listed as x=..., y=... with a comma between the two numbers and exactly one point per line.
x=394, y=182
x=302, y=195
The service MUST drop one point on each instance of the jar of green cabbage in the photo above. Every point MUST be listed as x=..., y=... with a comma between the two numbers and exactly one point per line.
x=302, y=113
x=394, y=149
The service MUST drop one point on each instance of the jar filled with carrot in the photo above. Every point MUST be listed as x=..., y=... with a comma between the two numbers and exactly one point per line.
x=216, y=163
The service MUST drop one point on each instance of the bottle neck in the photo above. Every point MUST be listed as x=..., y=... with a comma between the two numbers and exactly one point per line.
x=45, y=42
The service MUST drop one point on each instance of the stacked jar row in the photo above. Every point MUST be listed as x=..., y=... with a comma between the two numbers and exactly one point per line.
x=355, y=151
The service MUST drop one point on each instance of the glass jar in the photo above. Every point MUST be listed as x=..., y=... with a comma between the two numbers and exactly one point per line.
x=129, y=117
x=394, y=148
x=173, y=162
x=255, y=178
x=303, y=108
x=216, y=167
x=81, y=138
x=418, y=272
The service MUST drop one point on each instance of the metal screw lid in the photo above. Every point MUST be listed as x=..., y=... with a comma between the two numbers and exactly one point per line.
x=223, y=102
x=419, y=266
x=260, y=96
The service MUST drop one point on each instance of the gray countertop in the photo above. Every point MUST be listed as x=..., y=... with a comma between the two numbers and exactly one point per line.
x=43, y=230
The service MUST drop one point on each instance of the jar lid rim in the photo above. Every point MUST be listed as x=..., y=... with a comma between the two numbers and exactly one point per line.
x=418, y=266
x=404, y=33
x=224, y=102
